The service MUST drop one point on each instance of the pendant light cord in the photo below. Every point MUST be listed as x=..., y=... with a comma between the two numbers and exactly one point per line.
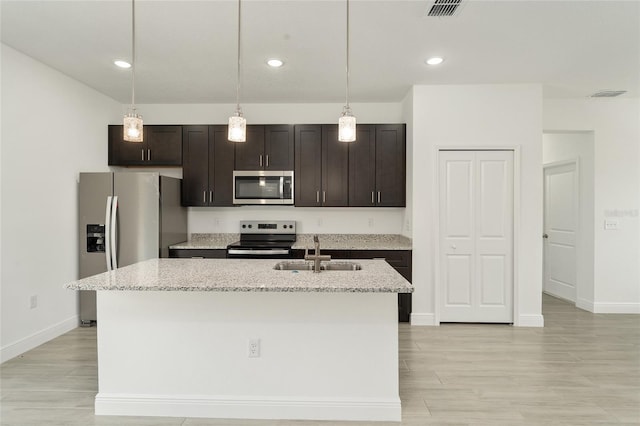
x=347, y=96
x=238, y=70
x=133, y=55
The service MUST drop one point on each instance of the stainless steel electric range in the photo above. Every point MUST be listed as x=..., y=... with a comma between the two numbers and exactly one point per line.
x=264, y=239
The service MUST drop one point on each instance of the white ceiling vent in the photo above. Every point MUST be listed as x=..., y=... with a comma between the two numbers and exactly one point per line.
x=444, y=7
x=608, y=93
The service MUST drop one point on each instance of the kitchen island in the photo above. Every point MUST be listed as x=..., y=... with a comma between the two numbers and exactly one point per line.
x=175, y=338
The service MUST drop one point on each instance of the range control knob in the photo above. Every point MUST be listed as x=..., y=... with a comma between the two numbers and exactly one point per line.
x=244, y=226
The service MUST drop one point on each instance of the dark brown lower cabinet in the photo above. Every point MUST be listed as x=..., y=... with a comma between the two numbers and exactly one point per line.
x=198, y=253
x=400, y=260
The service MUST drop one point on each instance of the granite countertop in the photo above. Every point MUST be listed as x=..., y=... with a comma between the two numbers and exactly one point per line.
x=354, y=242
x=243, y=275
x=207, y=241
x=327, y=241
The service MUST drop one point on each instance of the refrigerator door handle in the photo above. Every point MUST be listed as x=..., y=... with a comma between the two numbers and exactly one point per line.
x=114, y=229
x=107, y=233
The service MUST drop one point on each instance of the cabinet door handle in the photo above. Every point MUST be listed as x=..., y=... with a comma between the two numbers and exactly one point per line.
x=317, y=196
x=260, y=160
x=372, y=199
x=378, y=197
x=211, y=196
x=142, y=153
x=324, y=197
x=204, y=196
x=148, y=155
x=267, y=165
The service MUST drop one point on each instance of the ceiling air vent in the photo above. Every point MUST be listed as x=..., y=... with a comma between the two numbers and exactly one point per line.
x=444, y=7
x=608, y=93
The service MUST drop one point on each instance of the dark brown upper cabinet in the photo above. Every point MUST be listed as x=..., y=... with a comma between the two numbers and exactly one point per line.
x=207, y=171
x=162, y=146
x=268, y=147
x=377, y=159
x=321, y=173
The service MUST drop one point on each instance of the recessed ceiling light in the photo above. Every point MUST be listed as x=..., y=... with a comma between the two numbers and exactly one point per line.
x=434, y=61
x=275, y=63
x=122, y=64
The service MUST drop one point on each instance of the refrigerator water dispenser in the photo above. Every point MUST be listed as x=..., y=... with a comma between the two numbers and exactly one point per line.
x=95, y=238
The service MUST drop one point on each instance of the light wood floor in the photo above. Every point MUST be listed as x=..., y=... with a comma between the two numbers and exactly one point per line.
x=580, y=369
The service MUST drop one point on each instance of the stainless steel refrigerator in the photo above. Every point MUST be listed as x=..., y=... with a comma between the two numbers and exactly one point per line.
x=125, y=218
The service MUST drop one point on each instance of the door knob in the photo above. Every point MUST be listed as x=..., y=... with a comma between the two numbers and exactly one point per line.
x=453, y=246
x=545, y=235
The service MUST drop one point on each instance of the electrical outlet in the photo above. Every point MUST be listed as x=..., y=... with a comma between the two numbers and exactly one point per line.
x=319, y=222
x=254, y=348
x=611, y=224
x=370, y=222
x=33, y=302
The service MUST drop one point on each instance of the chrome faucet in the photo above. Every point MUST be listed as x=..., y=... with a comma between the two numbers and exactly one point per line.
x=317, y=257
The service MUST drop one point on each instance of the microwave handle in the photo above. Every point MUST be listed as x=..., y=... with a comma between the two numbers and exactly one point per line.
x=282, y=187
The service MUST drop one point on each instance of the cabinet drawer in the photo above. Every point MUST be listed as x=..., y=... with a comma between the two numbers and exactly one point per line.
x=204, y=253
x=335, y=254
x=395, y=258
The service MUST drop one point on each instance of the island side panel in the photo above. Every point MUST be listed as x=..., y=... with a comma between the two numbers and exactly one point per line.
x=323, y=356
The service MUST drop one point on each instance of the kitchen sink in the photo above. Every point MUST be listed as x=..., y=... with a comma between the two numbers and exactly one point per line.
x=340, y=266
x=293, y=266
x=308, y=266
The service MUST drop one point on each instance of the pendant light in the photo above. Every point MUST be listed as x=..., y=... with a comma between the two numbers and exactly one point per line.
x=347, y=122
x=133, y=121
x=237, y=123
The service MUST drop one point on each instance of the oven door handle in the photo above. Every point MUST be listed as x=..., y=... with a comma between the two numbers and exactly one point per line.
x=258, y=252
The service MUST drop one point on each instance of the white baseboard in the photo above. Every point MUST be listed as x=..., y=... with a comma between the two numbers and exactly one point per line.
x=525, y=320
x=586, y=305
x=616, y=308
x=366, y=409
x=25, y=344
x=423, y=319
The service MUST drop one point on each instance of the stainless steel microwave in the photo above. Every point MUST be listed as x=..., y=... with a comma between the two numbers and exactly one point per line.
x=262, y=187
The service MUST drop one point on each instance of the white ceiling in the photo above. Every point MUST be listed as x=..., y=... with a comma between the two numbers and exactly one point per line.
x=186, y=50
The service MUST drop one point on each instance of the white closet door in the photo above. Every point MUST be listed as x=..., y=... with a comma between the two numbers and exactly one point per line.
x=476, y=236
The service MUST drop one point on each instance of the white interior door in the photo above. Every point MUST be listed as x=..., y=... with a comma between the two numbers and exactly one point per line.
x=476, y=236
x=560, y=227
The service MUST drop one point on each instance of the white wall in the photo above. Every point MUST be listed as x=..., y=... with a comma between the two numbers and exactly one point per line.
x=310, y=220
x=615, y=124
x=407, y=112
x=478, y=116
x=562, y=146
x=52, y=128
x=267, y=113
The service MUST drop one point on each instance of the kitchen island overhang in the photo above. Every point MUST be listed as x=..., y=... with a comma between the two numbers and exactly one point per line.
x=173, y=337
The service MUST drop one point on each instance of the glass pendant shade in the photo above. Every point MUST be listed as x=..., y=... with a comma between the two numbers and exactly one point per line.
x=347, y=122
x=347, y=126
x=237, y=128
x=237, y=124
x=133, y=127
